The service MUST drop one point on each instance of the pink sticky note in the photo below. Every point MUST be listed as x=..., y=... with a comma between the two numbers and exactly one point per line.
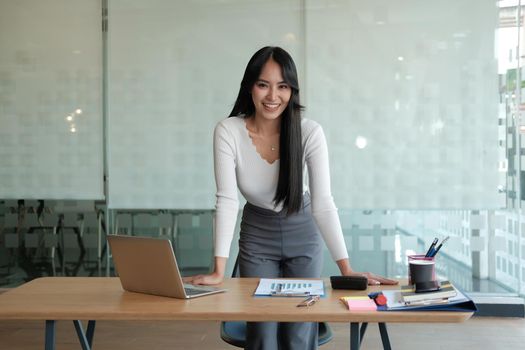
x=361, y=304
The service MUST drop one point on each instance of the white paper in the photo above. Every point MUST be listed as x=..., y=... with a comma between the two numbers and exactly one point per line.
x=270, y=286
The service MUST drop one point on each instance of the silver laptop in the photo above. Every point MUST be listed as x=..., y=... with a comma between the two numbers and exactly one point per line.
x=148, y=265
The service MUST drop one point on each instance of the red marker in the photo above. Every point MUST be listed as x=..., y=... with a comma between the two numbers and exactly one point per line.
x=380, y=300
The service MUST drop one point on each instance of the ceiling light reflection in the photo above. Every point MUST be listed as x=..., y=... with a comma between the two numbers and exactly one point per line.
x=70, y=118
x=290, y=37
x=397, y=248
x=361, y=142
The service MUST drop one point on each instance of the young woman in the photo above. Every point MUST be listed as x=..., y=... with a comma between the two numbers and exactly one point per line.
x=263, y=149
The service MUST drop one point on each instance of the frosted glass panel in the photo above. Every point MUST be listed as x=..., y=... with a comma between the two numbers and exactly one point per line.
x=175, y=69
x=50, y=99
x=408, y=96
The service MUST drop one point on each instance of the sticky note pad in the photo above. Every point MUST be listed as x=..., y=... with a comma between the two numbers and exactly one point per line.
x=359, y=303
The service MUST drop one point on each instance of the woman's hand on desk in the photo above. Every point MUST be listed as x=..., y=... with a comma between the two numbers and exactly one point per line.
x=373, y=279
x=213, y=278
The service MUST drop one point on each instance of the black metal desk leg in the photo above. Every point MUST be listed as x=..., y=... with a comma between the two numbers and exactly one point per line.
x=90, y=332
x=50, y=334
x=384, y=336
x=81, y=335
x=364, y=325
x=354, y=336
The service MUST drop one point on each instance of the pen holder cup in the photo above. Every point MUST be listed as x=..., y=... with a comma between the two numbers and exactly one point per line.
x=421, y=269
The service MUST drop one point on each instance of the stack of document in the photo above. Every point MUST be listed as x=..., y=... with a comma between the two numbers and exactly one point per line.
x=410, y=297
x=458, y=302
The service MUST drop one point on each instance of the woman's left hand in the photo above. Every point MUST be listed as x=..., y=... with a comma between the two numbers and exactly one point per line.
x=373, y=279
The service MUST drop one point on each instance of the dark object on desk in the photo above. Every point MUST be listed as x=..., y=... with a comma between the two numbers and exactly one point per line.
x=429, y=286
x=421, y=269
x=349, y=282
x=234, y=332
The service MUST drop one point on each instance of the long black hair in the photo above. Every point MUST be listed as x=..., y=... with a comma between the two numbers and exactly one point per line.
x=290, y=186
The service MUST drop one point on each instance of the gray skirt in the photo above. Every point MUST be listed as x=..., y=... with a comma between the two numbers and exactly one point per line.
x=273, y=245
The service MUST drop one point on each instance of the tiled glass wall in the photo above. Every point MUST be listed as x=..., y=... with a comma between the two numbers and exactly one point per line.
x=51, y=100
x=175, y=69
x=408, y=97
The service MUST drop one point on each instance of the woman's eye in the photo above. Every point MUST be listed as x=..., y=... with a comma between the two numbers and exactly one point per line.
x=283, y=87
x=261, y=85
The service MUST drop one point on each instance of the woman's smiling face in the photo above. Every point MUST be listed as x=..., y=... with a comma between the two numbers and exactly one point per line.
x=270, y=93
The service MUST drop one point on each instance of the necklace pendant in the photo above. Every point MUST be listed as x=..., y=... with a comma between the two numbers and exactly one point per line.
x=273, y=148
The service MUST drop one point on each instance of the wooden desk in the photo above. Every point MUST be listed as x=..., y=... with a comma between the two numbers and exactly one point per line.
x=102, y=298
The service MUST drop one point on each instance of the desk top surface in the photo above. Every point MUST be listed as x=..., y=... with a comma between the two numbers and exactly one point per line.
x=102, y=298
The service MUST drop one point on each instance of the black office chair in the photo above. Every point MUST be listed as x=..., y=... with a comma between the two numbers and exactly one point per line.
x=234, y=332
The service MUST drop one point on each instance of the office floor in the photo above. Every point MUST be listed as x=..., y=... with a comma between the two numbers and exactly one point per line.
x=477, y=333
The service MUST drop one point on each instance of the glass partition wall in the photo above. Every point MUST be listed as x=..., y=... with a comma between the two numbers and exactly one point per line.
x=420, y=105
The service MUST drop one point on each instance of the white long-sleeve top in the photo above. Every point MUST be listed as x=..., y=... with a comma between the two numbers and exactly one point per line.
x=238, y=165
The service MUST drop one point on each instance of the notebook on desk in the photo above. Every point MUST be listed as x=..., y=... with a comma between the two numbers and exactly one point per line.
x=148, y=265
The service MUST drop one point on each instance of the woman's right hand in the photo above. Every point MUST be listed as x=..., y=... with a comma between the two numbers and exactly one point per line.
x=215, y=277
x=210, y=279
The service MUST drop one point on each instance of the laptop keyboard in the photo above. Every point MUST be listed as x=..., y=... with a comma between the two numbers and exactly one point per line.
x=193, y=291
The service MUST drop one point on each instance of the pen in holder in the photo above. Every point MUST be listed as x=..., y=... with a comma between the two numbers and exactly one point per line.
x=421, y=269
